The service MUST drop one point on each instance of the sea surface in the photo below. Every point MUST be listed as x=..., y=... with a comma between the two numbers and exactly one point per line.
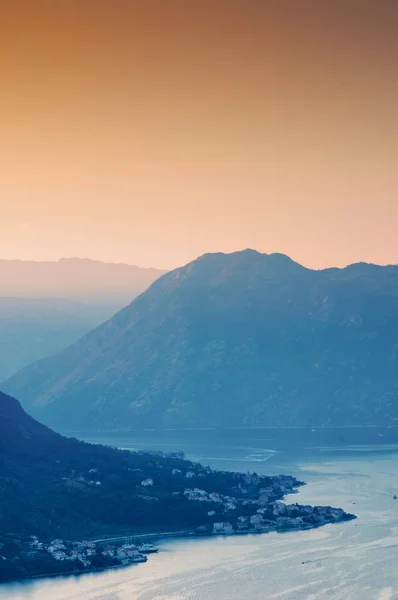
x=352, y=468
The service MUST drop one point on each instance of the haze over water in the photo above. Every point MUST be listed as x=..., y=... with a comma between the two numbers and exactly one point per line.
x=350, y=561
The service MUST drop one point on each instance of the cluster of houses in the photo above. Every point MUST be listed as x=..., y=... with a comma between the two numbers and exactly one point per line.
x=85, y=550
x=61, y=550
x=126, y=554
x=264, y=512
x=284, y=517
x=277, y=487
x=225, y=502
x=148, y=482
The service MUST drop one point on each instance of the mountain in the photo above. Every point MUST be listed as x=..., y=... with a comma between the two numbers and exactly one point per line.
x=243, y=339
x=45, y=307
x=75, y=279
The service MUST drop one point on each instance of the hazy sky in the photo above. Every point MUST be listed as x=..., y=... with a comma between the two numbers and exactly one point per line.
x=151, y=132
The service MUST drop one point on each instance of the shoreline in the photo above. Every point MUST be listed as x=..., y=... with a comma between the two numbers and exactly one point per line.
x=236, y=428
x=65, y=574
x=153, y=536
x=270, y=526
x=167, y=535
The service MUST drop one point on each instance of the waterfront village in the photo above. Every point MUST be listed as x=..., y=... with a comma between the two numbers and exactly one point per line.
x=198, y=501
x=240, y=515
x=264, y=513
x=243, y=502
x=91, y=554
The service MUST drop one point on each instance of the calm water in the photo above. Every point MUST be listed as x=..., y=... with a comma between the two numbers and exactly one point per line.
x=355, y=560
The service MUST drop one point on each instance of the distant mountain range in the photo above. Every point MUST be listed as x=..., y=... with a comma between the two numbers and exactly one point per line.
x=45, y=307
x=75, y=279
x=243, y=339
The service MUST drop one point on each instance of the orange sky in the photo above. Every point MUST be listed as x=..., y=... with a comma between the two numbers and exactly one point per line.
x=151, y=132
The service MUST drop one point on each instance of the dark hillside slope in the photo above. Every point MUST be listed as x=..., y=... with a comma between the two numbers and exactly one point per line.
x=245, y=339
x=56, y=486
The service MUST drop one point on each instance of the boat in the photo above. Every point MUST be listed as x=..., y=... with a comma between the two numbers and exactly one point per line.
x=148, y=549
x=138, y=559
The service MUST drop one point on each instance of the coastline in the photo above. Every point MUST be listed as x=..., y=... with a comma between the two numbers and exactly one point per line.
x=236, y=518
x=153, y=536
x=168, y=535
x=62, y=574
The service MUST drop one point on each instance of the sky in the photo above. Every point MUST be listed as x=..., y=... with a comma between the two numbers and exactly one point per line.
x=151, y=132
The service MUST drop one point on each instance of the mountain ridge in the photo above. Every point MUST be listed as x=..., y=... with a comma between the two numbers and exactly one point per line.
x=77, y=260
x=75, y=278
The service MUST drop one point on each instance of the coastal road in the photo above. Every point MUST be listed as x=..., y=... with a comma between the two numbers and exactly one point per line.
x=165, y=534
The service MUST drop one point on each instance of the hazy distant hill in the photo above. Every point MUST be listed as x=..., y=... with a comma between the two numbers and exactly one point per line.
x=45, y=307
x=32, y=328
x=232, y=340
x=74, y=278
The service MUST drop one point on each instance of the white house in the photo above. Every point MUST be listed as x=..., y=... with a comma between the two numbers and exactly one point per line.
x=147, y=482
x=224, y=527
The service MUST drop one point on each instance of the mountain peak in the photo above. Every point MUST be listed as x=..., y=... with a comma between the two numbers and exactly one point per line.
x=242, y=268
x=248, y=254
x=13, y=415
x=249, y=258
